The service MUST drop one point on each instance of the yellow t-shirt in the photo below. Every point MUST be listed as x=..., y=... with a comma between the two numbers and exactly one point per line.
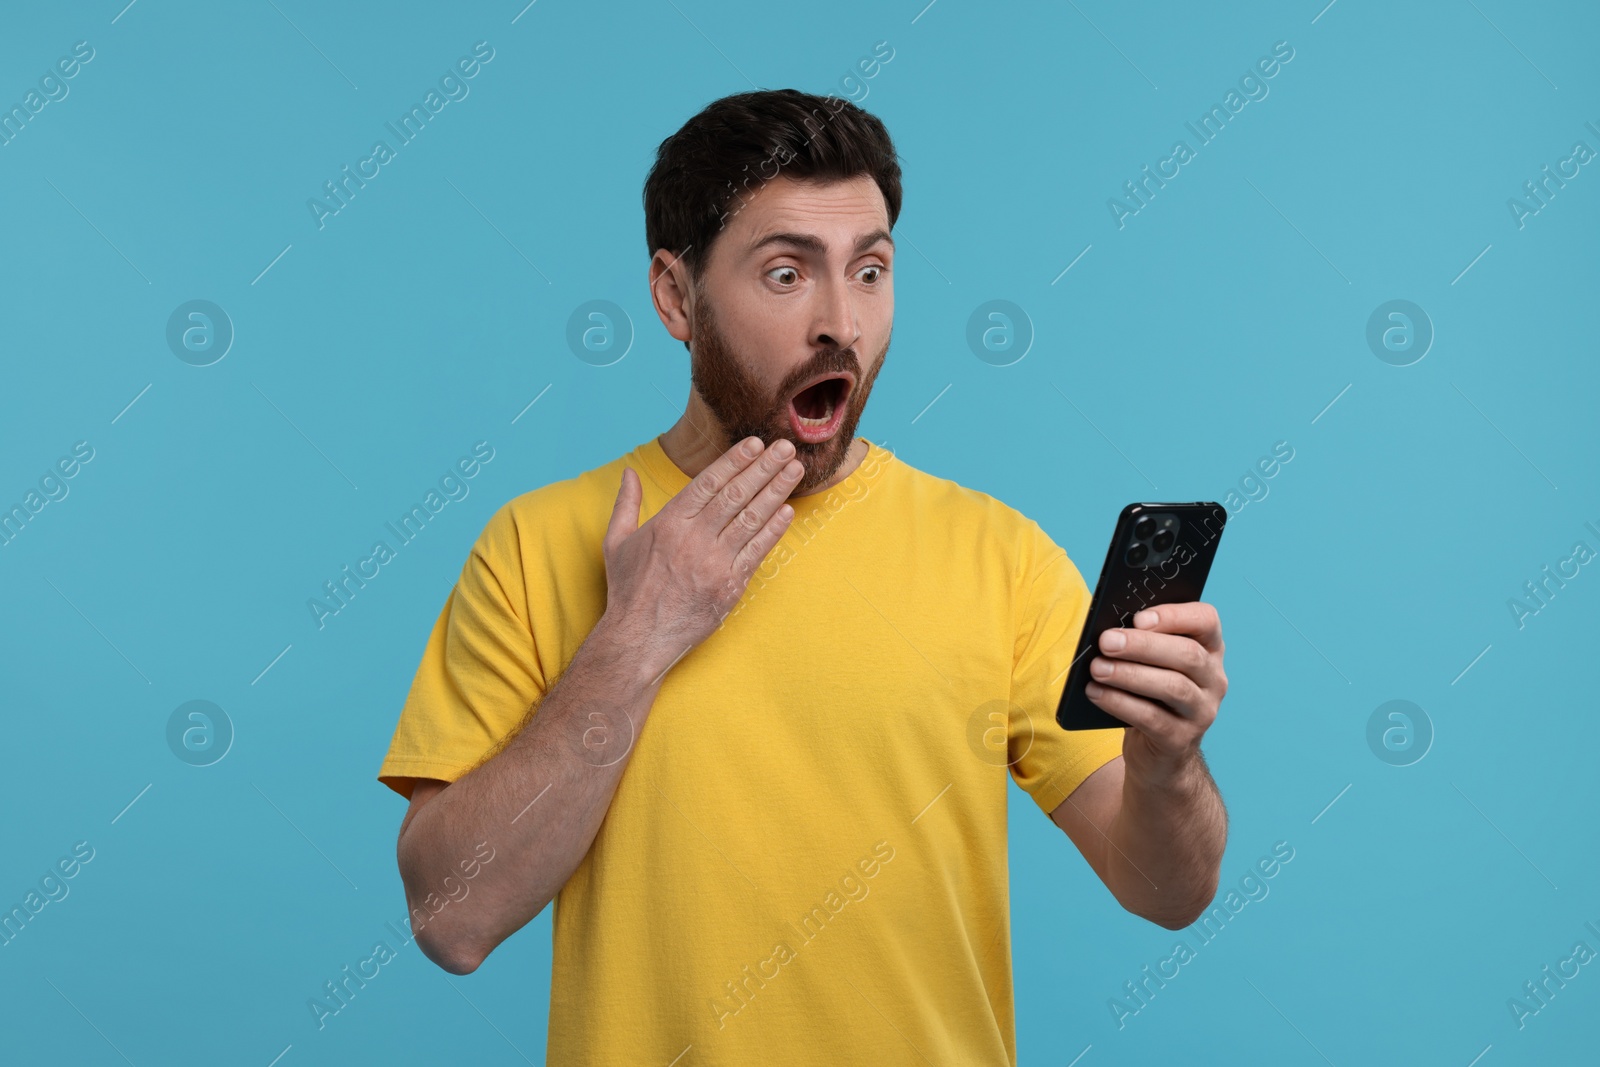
x=805, y=859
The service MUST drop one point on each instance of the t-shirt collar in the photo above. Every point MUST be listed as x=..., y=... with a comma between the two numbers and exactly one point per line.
x=668, y=477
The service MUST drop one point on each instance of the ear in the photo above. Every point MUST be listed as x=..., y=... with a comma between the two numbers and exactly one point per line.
x=670, y=292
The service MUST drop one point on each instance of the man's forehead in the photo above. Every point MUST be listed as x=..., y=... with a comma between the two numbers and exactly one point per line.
x=835, y=211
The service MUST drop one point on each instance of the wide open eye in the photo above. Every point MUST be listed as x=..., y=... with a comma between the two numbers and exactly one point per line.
x=794, y=275
x=877, y=273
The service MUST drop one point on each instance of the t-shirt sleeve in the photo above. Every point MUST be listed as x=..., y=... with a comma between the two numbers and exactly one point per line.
x=1047, y=761
x=480, y=673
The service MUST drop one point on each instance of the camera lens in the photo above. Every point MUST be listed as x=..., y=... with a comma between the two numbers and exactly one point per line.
x=1144, y=528
x=1163, y=541
x=1136, y=554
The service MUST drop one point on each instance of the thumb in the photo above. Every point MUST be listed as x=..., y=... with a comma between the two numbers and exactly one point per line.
x=625, y=513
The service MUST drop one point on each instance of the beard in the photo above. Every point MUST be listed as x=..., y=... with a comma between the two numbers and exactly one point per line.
x=743, y=408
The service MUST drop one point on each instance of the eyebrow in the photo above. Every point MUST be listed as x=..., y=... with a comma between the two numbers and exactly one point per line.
x=814, y=244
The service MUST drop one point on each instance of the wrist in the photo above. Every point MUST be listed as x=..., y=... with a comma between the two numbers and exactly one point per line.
x=620, y=650
x=1163, y=774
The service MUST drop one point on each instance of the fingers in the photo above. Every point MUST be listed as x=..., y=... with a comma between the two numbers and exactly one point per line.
x=1162, y=676
x=1172, y=668
x=745, y=504
x=1143, y=715
x=709, y=483
x=1172, y=688
x=754, y=552
x=1174, y=651
x=1195, y=618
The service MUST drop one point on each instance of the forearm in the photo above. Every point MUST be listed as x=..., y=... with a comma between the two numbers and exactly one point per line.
x=538, y=803
x=1167, y=838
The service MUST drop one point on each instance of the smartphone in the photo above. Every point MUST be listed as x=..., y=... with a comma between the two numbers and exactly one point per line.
x=1159, y=554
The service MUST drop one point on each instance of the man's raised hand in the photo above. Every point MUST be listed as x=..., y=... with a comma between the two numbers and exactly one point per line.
x=671, y=582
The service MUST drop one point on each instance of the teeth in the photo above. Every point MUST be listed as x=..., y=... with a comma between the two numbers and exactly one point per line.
x=823, y=421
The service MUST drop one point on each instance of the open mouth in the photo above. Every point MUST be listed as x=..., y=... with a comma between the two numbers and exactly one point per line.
x=818, y=408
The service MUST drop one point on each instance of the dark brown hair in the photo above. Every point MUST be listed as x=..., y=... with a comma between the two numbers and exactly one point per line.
x=723, y=155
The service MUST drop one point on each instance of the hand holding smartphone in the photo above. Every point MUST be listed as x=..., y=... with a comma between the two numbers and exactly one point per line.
x=1159, y=554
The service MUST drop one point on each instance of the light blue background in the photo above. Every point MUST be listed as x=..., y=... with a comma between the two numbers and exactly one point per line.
x=1224, y=317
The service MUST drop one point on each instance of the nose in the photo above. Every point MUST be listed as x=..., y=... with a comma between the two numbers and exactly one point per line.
x=835, y=324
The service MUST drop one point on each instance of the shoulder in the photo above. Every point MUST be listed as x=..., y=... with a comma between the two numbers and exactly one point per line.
x=571, y=511
x=982, y=521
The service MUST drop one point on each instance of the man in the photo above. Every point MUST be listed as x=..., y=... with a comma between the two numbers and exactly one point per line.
x=744, y=700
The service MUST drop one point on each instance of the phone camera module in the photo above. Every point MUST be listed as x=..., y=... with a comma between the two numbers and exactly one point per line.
x=1144, y=528
x=1162, y=541
x=1137, y=554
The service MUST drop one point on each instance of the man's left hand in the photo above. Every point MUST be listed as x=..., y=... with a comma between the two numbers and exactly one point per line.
x=1163, y=677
